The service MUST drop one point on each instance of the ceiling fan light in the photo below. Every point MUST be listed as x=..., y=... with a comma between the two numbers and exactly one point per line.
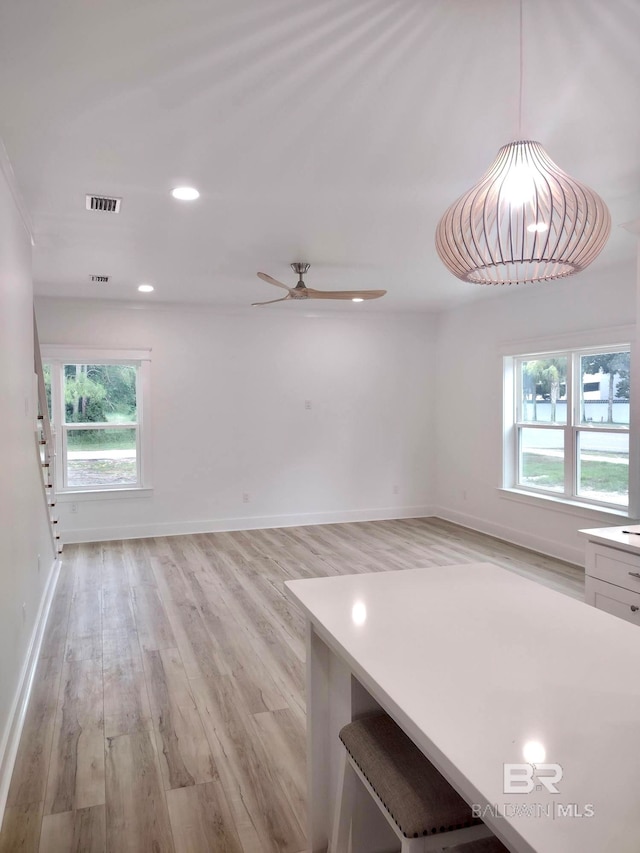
x=357, y=299
x=525, y=220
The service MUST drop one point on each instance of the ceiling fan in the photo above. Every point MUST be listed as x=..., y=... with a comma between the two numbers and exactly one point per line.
x=301, y=291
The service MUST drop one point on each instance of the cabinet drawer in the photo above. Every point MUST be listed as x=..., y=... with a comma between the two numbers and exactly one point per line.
x=613, y=599
x=614, y=566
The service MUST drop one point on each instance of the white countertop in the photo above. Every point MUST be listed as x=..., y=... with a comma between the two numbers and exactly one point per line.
x=474, y=662
x=617, y=538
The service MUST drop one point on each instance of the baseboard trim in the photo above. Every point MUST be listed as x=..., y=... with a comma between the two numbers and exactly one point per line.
x=13, y=730
x=559, y=551
x=144, y=531
x=508, y=534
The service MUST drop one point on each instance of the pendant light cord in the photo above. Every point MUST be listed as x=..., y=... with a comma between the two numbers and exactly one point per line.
x=521, y=76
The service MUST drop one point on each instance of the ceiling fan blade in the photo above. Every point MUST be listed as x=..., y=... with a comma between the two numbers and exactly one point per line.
x=345, y=294
x=271, y=280
x=271, y=301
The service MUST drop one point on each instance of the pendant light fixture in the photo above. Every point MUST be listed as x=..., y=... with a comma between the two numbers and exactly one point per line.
x=525, y=220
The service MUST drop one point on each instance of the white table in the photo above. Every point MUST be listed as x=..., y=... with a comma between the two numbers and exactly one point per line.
x=473, y=662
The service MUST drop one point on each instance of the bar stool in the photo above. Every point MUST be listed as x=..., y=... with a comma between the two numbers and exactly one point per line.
x=421, y=807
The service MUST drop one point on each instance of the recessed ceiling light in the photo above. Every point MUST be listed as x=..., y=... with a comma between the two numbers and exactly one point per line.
x=537, y=226
x=357, y=299
x=185, y=193
x=145, y=288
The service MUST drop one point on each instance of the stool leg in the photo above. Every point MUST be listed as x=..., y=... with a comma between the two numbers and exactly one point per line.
x=412, y=845
x=345, y=796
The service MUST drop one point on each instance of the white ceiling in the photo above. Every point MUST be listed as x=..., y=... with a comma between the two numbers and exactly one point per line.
x=329, y=131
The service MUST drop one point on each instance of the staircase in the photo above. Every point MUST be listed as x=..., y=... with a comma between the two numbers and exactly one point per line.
x=46, y=445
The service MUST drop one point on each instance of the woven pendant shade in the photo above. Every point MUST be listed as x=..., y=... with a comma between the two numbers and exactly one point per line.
x=525, y=220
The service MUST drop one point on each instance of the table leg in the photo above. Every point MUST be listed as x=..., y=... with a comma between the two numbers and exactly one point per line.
x=335, y=698
x=317, y=742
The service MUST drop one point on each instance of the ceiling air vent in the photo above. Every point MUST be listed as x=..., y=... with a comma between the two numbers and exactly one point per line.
x=103, y=203
x=99, y=279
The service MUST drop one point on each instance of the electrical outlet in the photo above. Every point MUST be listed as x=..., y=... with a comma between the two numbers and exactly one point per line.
x=307, y=404
x=245, y=498
x=464, y=494
x=396, y=490
x=74, y=507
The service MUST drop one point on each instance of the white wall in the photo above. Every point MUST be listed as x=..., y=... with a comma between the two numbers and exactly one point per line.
x=469, y=391
x=228, y=395
x=23, y=514
x=228, y=412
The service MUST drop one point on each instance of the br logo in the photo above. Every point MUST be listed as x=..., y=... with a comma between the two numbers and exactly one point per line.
x=525, y=778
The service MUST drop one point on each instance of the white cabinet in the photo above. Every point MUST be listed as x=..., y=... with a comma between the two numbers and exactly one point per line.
x=612, y=581
x=614, y=599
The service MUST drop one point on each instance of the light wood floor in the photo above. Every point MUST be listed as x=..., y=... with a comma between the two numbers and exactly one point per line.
x=167, y=712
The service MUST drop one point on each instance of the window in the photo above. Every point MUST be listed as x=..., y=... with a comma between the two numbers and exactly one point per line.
x=568, y=432
x=97, y=404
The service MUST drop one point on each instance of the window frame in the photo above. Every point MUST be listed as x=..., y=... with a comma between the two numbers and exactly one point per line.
x=572, y=429
x=59, y=356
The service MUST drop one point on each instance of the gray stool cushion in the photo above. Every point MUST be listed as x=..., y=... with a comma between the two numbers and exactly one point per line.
x=486, y=845
x=416, y=795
